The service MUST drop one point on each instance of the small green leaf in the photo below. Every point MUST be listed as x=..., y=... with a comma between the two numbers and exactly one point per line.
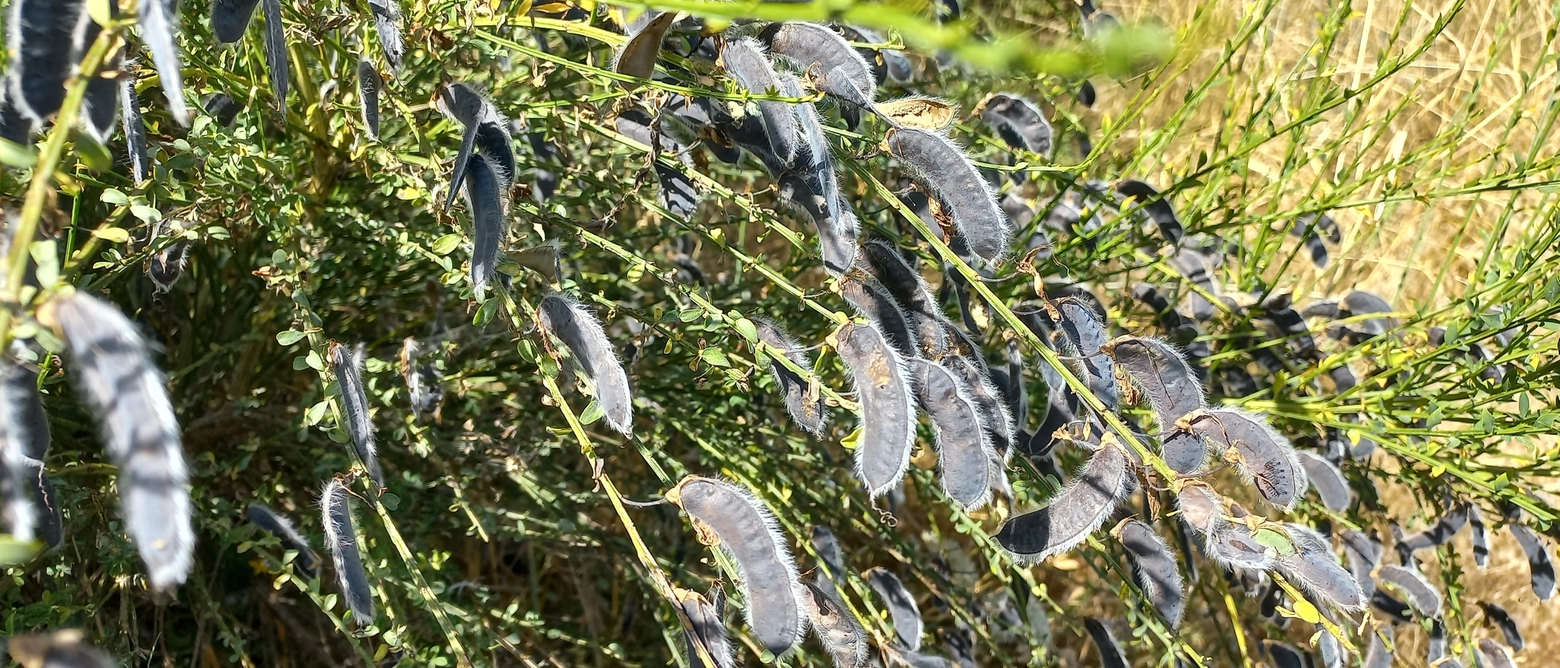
x=15, y=155
x=289, y=337
x=145, y=213
x=446, y=243
x=851, y=439
x=592, y=413
x=114, y=196
x=314, y=361
x=746, y=328
x=485, y=313
x=714, y=357
x=391, y=501
x=1274, y=539
x=46, y=262
x=113, y=235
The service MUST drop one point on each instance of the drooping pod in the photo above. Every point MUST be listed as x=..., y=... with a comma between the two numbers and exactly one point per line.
x=485, y=199
x=1019, y=122
x=1184, y=453
x=1285, y=655
x=677, y=193
x=134, y=125
x=422, y=380
x=1267, y=459
x=837, y=630
x=910, y=292
x=14, y=127
x=159, y=26
x=24, y=444
x=1423, y=596
x=485, y=132
x=745, y=63
x=274, y=523
x=637, y=56
x=1498, y=616
x=1495, y=655
x=902, y=608
x=1074, y=513
x=806, y=410
x=1378, y=655
x=276, y=58
x=230, y=18
x=166, y=265
x=1439, y=533
x=965, y=455
x=1363, y=554
x=887, y=408
x=1155, y=567
x=1316, y=569
x=580, y=332
x=1162, y=373
x=1437, y=650
x=100, y=104
x=707, y=628
x=1332, y=651
x=838, y=227
x=1326, y=479
x=1156, y=206
x=832, y=558
x=727, y=515
x=112, y=369
x=1541, y=568
x=946, y=172
x=347, y=363
x=1111, y=654
x=1200, y=507
x=341, y=539
x=387, y=21
x=369, y=83
x=1084, y=336
x=834, y=67
x=59, y=649
x=993, y=411
x=45, y=40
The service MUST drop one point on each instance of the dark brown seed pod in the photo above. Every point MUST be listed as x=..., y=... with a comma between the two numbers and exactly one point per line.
x=159, y=21
x=1018, y=122
x=834, y=67
x=947, y=173
x=347, y=363
x=677, y=194
x=1438, y=534
x=579, y=331
x=965, y=455
x=230, y=18
x=1316, y=568
x=910, y=292
x=1422, y=596
x=59, y=649
x=369, y=84
x=1074, y=513
x=1326, y=479
x=887, y=409
x=1494, y=655
x=1378, y=655
x=706, y=628
x=263, y=516
x=992, y=410
x=1162, y=373
x=637, y=56
x=874, y=303
x=1541, y=567
x=387, y=22
x=746, y=64
x=1155, y=567
x=901, y=606
x=1267, y=459
x=805, y=408
x=837, y=630
x=1111, y=655
x=1156, y=206
x=1498, y=616
x=1184, y=453
x=1201, y=508
x=341, y=540
x=46, y=40
x=727, y=515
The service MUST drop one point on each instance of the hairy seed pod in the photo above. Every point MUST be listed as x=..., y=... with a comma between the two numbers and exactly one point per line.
x=166, y=265
x=58, y=649
x=276, y=54
x=159, y=26
x=727, y=515
x=341, y=540
x=993, y=412
x=1162, y=373
x=1084, y=336
x=1232, y=545
x=1437, y=649
x=46, y=40
x=1156, y=206
x=835, y=67
x=832, y=559
x=230, y=18
x=1363, y=553
x=486, y=132
x=24, y=444
x=100, y=104
x=1326, y=479
x=580, y=332
x=1183, y=453
x=1438, y=534
x=637, y=56
x=369, y=83
x=1494, y=655
x=677, y=193
x=1201, y=508
x=837, y=232
x=1074, y=513
x=1423, y=596
x=422, y=380
x=1111, y=655
x=964, y=453
x=887, y=410
x=1497, y=615
x=113, y=370
x=1316, y=568
x=707, y=628
x=1397, y=610
x=910, y=292
x=542, y=258
x=1333, y=653
x=874, y=303
x=489, y=224
x=909, y=659
x=1285, y=655
x=1198, y=268
x=1541, y=567
x=1155, y=568
x=745, y=63
x=947, y=173
x=838, y=631
x=805, y=410
x=1265, y=458
x=1019, y=122
x=347, y=363
x=1378, y=655
x=14, y=126
x=264, y=517
x=134, y=125
x=387, y=22
x=902, y=608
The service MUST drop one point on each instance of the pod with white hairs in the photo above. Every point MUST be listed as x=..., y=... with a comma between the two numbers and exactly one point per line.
x=1480, y=535
x=387, y=22
x=1084, y=337
x=1155, y=566
x=995, y=418
x=805, y=408
x=965, y=455
x=1074, y=513
x=1316, y=569
x=112, y=368
x=887, y=407
x=276, y=57
x=159, y=21
x=831, y=557
x=1379, y=655
x=486, y=199
x=1156, y=206
x=706, y=629
x=1200, y=507
x=272, y=522
x=1018, y=122
x=1363, y=554
x=727, y=515
x=1498, y=616
x=837, y=630
x=910, y=292
x=486, y=132
x=1264, y=457
x=1162, y=374
x=341, y=539
x=637, y=56
x=746, y=64
x=1111, y=654
x=838, y=227
x=1326, y=479
x=579, y=331
x=1495, y=655
x=369, y=84
x=133, y=124
x=347, y=363
x=1437, y=643
x=1421, y=594
x=1332, y=651
x=902, y=609
x=46, y=40
x=946, y=172
x=100, y=104
x=1439, y=533
x=834, y=67
x=1541, y=567
x=24, y=444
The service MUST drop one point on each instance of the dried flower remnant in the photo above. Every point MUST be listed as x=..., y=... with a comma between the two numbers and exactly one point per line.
x=1074, y=513
x=347, y=363
x=341, y=540
x=887, y=409
x=580, y=332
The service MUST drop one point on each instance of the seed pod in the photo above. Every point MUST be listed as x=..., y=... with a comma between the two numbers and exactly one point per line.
x=1183, y=453
x=835, y=67
x=964, y=453
x=707, y=628
x=1111, y=655
x=159, y=26
x=1084, y=337
x=1162, y=373
x=264, y=517
x=113, y=371
x=100, y=104
x=1377, y=655
x=1437, y=650
x=1508, y=627
x=369, y=84
x=276, y=54
x=874, y=303
x=1316, y=568
x=1423, y=596
x=347, y=363
x=134, y=125
x=1074, y=513
x=14, y=127
x=745, y=63
x=230, y=18
x=1201, y=508
x=1156, y=206
x=486, y=133
x=1397, y=610
x=806, y=411
x=887, y=413
x=341, y=540
x=46, y=40
x=1438, y=534
x=1155, y=568
x=832, y=558
x=581, y=333
x=1326, y=479
x=841, y=635
x=422, y=380
x=946, y=172
x=727, y=515
x=1232, y=545
x=1265, y=458
x=676, y=192
x=59, y=649
x=167, y=263
x=24, y=444
x=1286, y=655
x=1198, y=268
x=387, y=22
x=1019, y=122
x=489, y=224
x=1494, y=655
x=637, y=56
x=910, y=292
x=1333, y=653
x=1540, y=567
x=1363, y=553
x=901, y=606
x=992, y=411
x=836, y=233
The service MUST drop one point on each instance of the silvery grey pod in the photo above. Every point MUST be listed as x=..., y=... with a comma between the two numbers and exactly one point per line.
x=486, y=200
x=24, y=444
x=946, y=172
x=341, y=539
x=966, y=459
x=230, y=18
x=387, y=21
x=706, y=629
x=134, y=125
x=837, y=630
x=825, y=57
x=887, y=407
x=806, y=412
x=1075, y=512
x=746, y=64
x=1018, y=122
x=1264, y=457
x=485, y=131
x=58, y=649
x=369, y=84
x=276, y=58
x=347, y=364
x=579, y=331
x=159, y=27
x=112, y=368
x=307, y=562
x=902, y=608
x=46, y=40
